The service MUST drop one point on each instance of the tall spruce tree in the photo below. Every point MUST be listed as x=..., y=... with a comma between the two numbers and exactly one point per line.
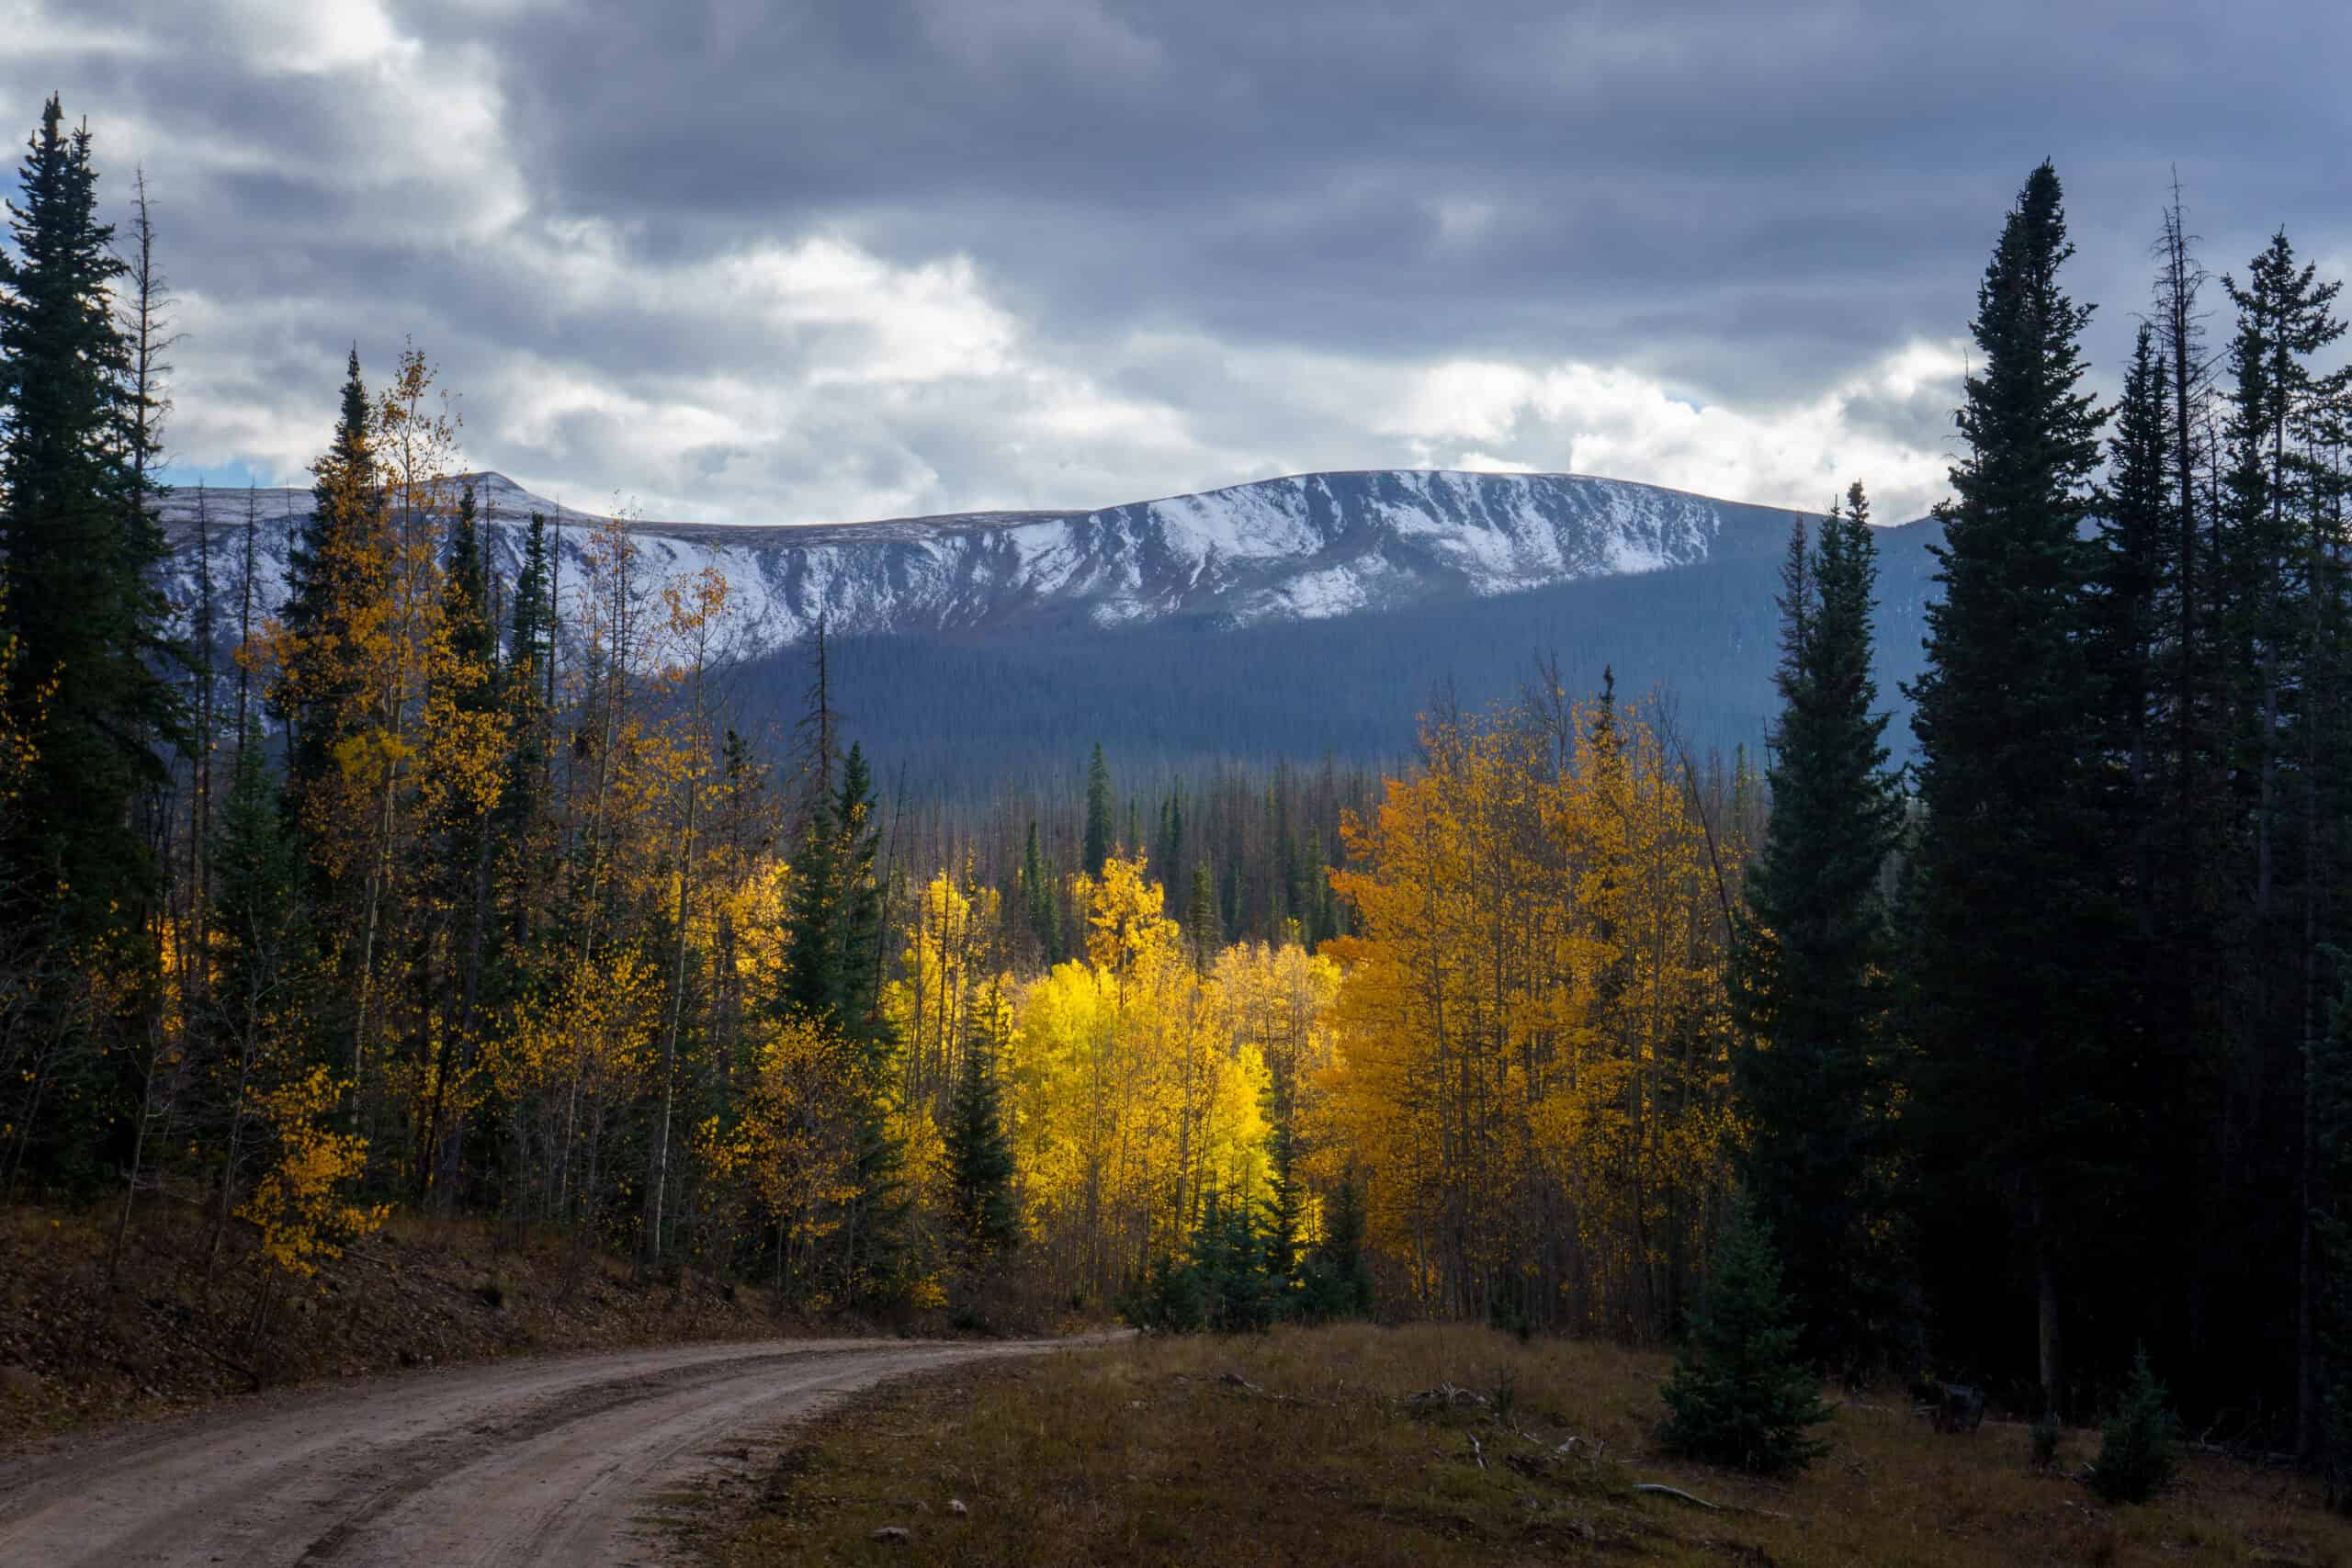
x=1038, y=904
x=2282, y=556
x=979, y=1156
x=831, y=974
x=88, y=694
x=330, y=581
x=2012, y=912
x=1099, y=843
x=80, y=555
x=1814, y=1070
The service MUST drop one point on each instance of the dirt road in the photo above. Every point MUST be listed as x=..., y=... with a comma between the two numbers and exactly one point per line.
x=561, y=1461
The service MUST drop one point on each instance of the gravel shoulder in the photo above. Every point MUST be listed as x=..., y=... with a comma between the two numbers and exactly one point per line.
x=566, y=1458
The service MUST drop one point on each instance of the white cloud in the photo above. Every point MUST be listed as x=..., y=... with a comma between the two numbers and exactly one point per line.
x=1618, y=423
x=805, y=377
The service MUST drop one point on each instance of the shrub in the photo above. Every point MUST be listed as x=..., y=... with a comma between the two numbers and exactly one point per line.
x=1169, y=1298
x=2043, y=1435
x=1739, y=1395
x=1222, y=1282
x=2135, y=1459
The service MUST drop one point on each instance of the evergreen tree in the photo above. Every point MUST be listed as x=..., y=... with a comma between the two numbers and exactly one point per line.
x=1741, y=1394
x=832, y=975
x=2125, y=627
x=526, y=689
x=1042, y=910
x=2135, y=1452
x=2010, y=974
x=259, y=1004
x=89, y=706
x=1098, y=813
x=1336, y=1282
x=1284, y=1206
x=81, y=557
x=1170, y=853
x=259, y=914
x=2160, y=1029
x=1812, y=1071
x=2281, y=556
x=328, y=581
x=979, y=1157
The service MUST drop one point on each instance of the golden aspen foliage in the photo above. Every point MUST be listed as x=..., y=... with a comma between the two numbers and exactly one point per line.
x=303, y=1204
x=1130, y=1096
x=1531, y=1079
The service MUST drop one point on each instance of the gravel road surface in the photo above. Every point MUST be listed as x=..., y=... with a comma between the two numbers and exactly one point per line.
x=563, y=1460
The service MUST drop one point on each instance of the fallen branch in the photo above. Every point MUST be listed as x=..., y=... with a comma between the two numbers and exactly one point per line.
x=1677, y=1491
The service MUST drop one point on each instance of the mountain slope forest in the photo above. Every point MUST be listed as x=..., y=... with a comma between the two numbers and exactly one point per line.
x=429, y=883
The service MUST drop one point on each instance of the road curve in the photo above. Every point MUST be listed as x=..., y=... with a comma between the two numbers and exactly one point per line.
x=561, y=1460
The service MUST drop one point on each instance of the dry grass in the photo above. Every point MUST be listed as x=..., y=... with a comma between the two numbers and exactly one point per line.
x=1147, y=1453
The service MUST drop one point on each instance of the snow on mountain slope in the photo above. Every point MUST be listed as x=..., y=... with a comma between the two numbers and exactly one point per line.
x=1306, y=547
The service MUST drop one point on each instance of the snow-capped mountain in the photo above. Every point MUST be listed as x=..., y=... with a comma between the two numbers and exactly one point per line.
x=1307, y=548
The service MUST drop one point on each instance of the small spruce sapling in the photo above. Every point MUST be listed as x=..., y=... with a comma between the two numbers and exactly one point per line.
x=1740, y=1395
x=2136, y=1451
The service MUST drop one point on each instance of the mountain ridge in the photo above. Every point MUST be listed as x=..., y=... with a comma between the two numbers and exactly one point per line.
x=1302, y=547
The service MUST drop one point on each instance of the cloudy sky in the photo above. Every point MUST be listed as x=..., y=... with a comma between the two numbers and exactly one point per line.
x=851, y=258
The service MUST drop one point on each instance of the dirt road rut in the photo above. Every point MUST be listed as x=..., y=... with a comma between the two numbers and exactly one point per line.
x=566, y=1460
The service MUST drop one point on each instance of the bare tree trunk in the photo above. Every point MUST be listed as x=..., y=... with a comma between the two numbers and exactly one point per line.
x=2046, y=1339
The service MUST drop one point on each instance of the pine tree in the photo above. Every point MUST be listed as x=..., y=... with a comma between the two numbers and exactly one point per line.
x=2125, y=625
x=2135, y=1452
x=2012, y=919
x=1741, y=1394
x=259, y=1000
x=1285, y=1207
x=1336, y=1282
x=90, y=710
x=979, y=1157
x=81, y=555
x=832, y=975
x=332, y=576
x=1098, y=813
x=1043, y=911
x=2281, y=554
x=1812, y=1072
x=524, y=847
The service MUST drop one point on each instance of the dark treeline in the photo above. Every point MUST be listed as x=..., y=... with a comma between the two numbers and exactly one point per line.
x=435, y=886
x=2072, y=1082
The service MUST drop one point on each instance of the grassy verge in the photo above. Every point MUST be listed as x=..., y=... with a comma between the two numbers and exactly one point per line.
x=1311, y=1447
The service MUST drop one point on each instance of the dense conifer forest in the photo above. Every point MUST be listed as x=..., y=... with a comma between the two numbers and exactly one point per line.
x=2018, y=1045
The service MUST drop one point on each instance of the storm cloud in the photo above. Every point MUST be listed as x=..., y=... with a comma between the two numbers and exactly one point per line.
x=807, y=263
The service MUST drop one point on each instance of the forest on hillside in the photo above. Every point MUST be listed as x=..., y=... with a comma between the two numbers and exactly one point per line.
x=451, y=892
